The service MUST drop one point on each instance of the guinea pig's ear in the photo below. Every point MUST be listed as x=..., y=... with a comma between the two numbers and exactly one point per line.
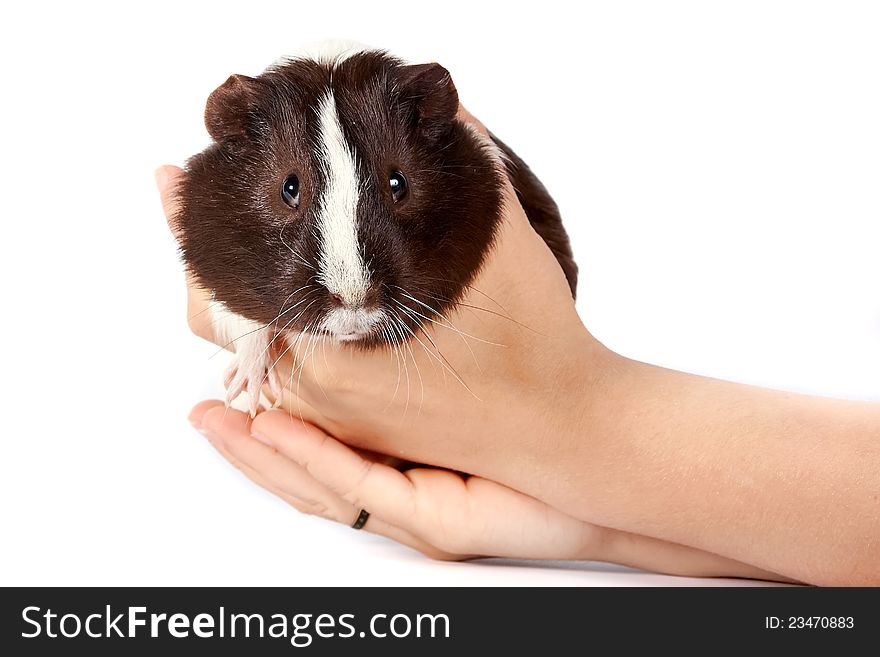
x=227, y=113
x=430, y=89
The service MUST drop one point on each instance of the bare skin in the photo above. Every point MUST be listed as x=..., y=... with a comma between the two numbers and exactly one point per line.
x=642, y=465
x=442, y=514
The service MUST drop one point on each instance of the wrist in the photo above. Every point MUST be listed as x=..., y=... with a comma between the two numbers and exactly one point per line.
x=576, y=408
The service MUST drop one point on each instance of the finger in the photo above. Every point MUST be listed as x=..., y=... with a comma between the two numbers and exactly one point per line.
x=300, y=505
x=309, y=415
x=364, y=483
x=228, y=434
x=197, y=414
x=231, y=428
x=216, y=440
x=375, y=525
x=167, y=179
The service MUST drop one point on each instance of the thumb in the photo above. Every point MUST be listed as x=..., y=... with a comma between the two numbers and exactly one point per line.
x=167, y=179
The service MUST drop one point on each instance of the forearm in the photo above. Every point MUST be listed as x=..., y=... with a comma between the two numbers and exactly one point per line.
x=787, y=482
x=660, y=556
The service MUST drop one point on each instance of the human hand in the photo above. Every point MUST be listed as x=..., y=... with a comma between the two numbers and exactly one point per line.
x=480, y=391
x=442, y=514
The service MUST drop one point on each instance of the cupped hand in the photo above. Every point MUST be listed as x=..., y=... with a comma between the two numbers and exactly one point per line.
x=443, y=514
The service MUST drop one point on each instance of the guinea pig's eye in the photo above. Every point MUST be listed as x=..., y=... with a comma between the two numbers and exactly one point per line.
x=398, y=185
x=290, y=190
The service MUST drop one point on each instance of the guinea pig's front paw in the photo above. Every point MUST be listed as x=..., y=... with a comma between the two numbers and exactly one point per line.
x=252, y=367
x=249, y=375
x=254, y=363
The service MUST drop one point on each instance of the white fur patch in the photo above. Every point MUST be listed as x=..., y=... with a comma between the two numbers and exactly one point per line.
x=328, y=51
x=231, y=328
x=341, y=266
x=346, y=325
x=333, y=50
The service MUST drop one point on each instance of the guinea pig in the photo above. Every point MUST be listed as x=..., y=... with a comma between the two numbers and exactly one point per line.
x=342, y=197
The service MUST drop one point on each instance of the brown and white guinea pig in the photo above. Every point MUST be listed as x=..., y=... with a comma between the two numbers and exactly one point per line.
x=342, y=197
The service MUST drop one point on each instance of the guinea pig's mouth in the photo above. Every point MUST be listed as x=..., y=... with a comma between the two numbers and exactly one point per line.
x=349, y=337
x=351, y=324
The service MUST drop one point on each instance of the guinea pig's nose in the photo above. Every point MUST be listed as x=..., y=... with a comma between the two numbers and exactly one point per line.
x=341, y=299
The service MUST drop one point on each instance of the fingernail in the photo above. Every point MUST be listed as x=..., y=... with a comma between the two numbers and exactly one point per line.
x=161, y=177
x=263, y=439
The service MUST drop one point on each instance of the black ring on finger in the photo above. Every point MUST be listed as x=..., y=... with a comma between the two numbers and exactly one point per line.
x=362, y=518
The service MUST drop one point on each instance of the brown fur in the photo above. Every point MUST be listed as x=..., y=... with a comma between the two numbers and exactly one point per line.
x=259, y=256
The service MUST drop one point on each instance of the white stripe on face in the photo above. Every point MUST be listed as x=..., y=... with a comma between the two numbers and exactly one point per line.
x=341, y=267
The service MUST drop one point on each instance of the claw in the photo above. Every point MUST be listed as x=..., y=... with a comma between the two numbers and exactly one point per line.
x=229, y=375
x=235, y=383
x=250, y=379
x=253, y=390
x=275, y=387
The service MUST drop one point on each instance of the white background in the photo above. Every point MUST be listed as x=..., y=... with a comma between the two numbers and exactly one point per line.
x=717, y=166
